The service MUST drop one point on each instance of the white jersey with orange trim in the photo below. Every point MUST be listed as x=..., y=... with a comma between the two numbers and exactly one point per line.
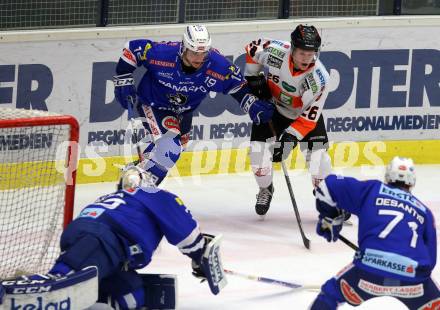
x=296, y=94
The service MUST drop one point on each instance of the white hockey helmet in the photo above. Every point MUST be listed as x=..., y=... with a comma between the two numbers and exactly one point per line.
x=196, y=38
x=133, y=177
x=401, y=169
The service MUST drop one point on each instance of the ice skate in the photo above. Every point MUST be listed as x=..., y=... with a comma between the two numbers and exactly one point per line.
x=264, y=197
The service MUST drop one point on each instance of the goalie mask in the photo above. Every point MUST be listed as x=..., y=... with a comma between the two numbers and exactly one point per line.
x=401, y=170
x=133, y=177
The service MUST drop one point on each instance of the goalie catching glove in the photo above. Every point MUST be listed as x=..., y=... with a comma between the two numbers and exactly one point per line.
x=210, y=267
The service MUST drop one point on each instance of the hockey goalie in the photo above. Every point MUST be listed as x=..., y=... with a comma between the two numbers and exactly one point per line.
x=111, y=239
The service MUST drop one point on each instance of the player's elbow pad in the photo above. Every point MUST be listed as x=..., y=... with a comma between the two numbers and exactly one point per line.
x=241, y=93
x=123, y=67
x=327, y=210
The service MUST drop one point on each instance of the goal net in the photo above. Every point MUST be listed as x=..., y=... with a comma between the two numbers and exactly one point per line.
x=38, y=154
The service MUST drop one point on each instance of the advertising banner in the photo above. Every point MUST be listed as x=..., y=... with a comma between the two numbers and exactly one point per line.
x=384, y=86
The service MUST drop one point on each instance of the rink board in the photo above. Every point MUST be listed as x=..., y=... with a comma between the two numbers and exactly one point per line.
x=343, y=154
x=382, y=88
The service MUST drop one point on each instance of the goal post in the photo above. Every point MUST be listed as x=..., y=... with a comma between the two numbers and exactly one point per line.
x=38, y=158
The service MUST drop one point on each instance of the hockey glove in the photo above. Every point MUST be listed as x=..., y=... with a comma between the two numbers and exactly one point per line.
x=258, y=86
x=260, y=111
x=197, y=265
x=210, y=267
x=330, y=228
x=125, y=91
x=286, y=143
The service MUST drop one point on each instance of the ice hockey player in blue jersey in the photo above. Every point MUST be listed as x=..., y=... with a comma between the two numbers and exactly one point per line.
x=397, y=240
x=179, y=76
x=119, y=233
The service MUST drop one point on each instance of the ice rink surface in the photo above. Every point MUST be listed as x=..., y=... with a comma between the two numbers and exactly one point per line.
x=224, y=204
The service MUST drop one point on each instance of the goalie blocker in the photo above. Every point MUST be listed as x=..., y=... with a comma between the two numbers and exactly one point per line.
x=211, y=268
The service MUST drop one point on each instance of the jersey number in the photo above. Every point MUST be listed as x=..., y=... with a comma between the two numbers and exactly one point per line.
x=273, y=77
x=111, y=203
x=311, y=113
x=398, y=216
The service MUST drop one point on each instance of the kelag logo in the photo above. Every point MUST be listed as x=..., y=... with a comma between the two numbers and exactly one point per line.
x=40, y=304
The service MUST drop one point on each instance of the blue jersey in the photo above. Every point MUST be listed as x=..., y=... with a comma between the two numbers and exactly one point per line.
x=142, y=217
x=397, y=236
x=167, y=87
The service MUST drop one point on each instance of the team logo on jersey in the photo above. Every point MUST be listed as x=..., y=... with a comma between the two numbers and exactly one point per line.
x=162, y=63
x=144, y=54
x=128, y=55
x=280, y=43
x=390, y=262
x=274, y=61
x=285, y=98
x=172, y=124
x=177, y=99
x=321, y=77
x=311, y=83
x=216, y=75
x=91, y=212
x=276, y=52
x=288, y=87
x=167, y=75
x=350, y=294
x=407, y=291
x=431, y=305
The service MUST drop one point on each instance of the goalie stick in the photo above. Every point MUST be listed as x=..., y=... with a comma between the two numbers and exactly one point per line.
x=292, y=196
x=273, y=281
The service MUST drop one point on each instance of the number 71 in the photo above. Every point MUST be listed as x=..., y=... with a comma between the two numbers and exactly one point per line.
x=398, y=216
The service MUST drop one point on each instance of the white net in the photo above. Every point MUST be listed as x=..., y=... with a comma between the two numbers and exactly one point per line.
x=33, y=189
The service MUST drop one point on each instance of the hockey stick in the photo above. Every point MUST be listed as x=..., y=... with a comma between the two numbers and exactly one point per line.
x=343, y=239
x=134, y=131
x=273, y=281
x=348, y=243
x=292, y=197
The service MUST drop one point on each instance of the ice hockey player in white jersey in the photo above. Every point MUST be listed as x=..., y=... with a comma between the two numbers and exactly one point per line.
x=111, y=239
x=295, y=82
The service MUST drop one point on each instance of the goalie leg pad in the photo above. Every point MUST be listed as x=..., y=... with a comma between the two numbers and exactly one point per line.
x=160, y=291
x=77, y=290
x=130, y=290
x=2, y=293
x=212, y=266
